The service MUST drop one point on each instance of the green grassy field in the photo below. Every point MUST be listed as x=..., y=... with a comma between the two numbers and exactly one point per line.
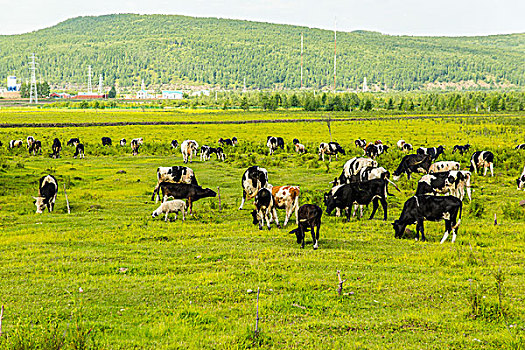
x=109, y=276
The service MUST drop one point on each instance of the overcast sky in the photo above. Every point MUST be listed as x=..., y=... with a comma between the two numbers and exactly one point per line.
x=410, y=17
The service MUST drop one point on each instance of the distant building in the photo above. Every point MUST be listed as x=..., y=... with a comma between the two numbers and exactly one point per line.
x=60, y=95
x=12, y=85
x=201, y=93
x=143, y=94
x=172, y=95
x=88, y=96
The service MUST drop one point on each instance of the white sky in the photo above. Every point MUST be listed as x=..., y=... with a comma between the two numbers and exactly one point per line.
x=410, y=17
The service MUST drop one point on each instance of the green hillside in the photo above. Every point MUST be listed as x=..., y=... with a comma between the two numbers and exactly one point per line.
x=171, y=51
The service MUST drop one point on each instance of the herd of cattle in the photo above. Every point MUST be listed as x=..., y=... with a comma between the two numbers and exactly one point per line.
x=362, y=181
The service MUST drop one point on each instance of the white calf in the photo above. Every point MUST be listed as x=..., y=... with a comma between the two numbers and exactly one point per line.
x=173, y=206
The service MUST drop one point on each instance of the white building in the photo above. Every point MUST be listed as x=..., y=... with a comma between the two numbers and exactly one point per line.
x=12, y=85
x=172, y=95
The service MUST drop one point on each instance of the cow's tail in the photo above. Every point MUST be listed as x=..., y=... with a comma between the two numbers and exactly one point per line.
x=393, y=184
x=459, y=219
x=155, y=191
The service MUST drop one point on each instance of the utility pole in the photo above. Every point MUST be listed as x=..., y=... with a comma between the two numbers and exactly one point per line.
x=90, y=88
x=100, y=85
x=33, y=94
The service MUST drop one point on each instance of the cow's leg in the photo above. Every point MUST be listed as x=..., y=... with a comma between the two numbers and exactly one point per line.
x=385, y=208
x=315, y=238
x=302, y=233
x=492, y=169
x=375, y=204
x=243, y=199
x=448, y=228
x=261, y=219
x=337, y=212
x=190, y=206
x=485, y=169
x=183, y=215
x=276, y=218
x=361, y=211
x=268, y=215
x=420, y=228
x=355, y=210
x=167, y=213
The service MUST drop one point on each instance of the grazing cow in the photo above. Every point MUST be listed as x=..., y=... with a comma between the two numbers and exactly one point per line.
x=433, y=152
x=253, y=179
x=299, y=147
x=36, y=147
x=219, y=152
x=189, y=192
x=57, y=147
x=354, y=166
x=417, y=209
x=174, y=174
x=521, y=180
x=273, y=143
x=361, y=193
x=443, y=166
x=412, y=163
x=482, y=159
x=106, y=141
x=378, y=142
x=135, y=145
x=204, y=152
x=189, y=148
x=235, y=141
x=264, y=205
x=400, y=144
x=407, y=147
x=520, y=146
x=461, y=180
x=330, y=149
x=30, y=141
x=309, y=218
x=360, y=143
x=174, y=144
x=122, y=142
x=73, y=141
x=79, y=151
x=286, y=197
x=139, y=140
x=374, y=151
x=47, y=193
x=15, y=143
x=433, y=184
x=173, y=206
x=461, y=149
x=225, y=142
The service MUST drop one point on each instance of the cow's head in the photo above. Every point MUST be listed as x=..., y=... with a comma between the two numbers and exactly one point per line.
x=385, y=148
x=520, y=182
x=399, y=228
x=255, y=217
x=298, y=234
x=208, y=192
x=329, y=201
x=40, y=204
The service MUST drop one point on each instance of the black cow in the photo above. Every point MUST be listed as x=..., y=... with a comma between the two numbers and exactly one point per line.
x=264, y=205
x=47, y=193
x=461, y=149
x=57, y=147
x=520, y=146
x=441, y=183
x=253, y=179
x=309, y=216
x=225, y=142
x=73, y=141
x=174, y=144
x=106, y=141
x=189, y=192
x=36, y=147
x=417, y=209
x=482, y=159
x=433, y=152
x=412, y=163
x=79, y=151
x=361, y=193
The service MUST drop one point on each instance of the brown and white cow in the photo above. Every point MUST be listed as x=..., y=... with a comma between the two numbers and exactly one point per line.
x=286, y=197
x=188, y=149
x=15, y=143
x=440, y=167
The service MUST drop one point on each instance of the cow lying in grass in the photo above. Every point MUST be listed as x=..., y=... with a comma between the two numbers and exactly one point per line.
x=309, y=218
x=174, y=206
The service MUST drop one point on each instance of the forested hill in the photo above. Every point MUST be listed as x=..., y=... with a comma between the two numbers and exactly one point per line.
x=173, y=51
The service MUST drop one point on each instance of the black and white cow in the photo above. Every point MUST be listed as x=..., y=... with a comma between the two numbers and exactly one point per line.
x=225, y=142
x=461, y=181
x=461, y=149
x=437, y=183
x=57, y=147
x=273, y=143
x=106, y=141
x=174, y=144
x=47, y=193
x=264, y=205
x=79, y=150
x=219, y=152
x=73, y=141
x=330, y=149
x=520, y=181
x=253, y=179
x=352, y=169
x=36, y=147
x=361, y=193
x=204, y=152
x=175, y=174
x=299, y=147
x=412, y=163
x=309, y=219
x=407, y=147
x=15, y=143
x=520, y=146
x=440, y=167
x=433, y=152
x=374, y=151
x=135, y=145
x=360, y=143
x=417, y=209
x=482, y=159
x=122, y=142
x=30, y=140
x=400, y=144
x=235, y=141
